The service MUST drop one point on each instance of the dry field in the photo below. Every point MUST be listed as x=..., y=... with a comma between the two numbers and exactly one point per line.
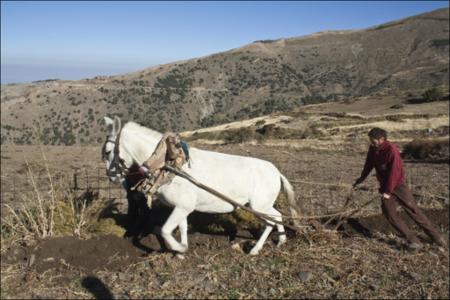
x=83, y=254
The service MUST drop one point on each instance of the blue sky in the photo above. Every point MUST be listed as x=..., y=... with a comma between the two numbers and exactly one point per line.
x=75, y=40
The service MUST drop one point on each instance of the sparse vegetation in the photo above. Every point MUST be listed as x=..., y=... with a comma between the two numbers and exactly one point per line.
x=440, y=42
x=60, y=211
x=40, y=214
x=313, y=99
x=433, y=94
x=397, y=106
x=435, y=149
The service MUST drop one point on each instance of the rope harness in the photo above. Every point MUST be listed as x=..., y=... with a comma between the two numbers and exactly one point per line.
x=119, y=165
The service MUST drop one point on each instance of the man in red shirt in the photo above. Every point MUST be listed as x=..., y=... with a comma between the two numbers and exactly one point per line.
x=385, y=158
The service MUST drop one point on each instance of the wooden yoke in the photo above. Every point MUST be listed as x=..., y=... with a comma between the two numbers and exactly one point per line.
x=167, y=152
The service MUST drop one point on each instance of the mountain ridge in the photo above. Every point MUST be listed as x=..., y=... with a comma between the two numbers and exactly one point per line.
x=401, y=57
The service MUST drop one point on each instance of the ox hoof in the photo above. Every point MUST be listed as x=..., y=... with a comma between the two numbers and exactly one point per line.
x=254, y=251
x=281, y=241
x=180, y=256
x=181, y=248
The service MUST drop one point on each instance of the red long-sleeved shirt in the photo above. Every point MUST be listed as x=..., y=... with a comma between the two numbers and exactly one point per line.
x=388, y=164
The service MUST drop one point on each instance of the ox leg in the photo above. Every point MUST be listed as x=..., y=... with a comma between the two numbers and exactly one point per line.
x=183, y=227
x=183, y=231
x=178, y=217
x=280, y=228
x=262, y=239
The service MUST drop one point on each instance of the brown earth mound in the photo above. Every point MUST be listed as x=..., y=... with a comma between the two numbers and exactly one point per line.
x=107, y=251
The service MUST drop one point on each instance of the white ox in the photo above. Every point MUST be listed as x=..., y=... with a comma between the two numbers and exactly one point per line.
x=246, y=180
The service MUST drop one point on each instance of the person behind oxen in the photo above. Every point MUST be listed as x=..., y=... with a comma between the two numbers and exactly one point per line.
x=384, y=156
x=138, y=210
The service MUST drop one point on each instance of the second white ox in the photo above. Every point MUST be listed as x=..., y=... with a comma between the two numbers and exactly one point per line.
x=243, y=179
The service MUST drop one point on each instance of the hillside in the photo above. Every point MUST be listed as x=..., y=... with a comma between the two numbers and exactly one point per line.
x=397, y=59
x=340, y=125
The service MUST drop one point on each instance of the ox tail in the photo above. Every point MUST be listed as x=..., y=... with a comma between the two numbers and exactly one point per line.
x=290, y=195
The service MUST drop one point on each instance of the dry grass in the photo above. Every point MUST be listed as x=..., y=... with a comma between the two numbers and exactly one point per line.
x=42, y=215
x=56, y=212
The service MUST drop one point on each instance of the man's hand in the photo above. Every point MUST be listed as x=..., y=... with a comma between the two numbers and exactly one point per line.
x=386, y=196
x=357, y=181
x=144, y=171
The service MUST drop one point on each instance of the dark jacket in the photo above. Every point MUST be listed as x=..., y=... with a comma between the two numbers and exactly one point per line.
x=134, y=176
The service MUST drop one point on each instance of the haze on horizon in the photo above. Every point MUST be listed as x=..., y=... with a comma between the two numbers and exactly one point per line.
x=76, y=40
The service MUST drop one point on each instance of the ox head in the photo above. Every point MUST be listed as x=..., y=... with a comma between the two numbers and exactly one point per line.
x=110, y=150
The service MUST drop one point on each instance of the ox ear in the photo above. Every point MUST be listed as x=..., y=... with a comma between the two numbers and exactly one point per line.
x=117, y=124
x=109, y=124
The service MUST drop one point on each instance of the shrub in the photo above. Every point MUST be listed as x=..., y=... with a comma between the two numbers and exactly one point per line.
x=440, y=42
x=395, y=118
x=313, y=99
x=240, y=135
x=260, y=122
x=42, y=215
x=431, y=95
x=426, y=149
